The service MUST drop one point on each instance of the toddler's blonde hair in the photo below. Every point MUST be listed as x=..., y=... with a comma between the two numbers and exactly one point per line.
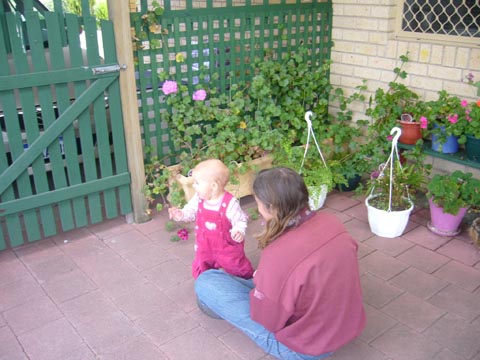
x=215, y=170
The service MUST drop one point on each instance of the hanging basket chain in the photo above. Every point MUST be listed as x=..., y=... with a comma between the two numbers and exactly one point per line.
x=308, y=115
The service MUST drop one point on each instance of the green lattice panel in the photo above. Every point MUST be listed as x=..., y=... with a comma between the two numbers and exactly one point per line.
x=224, y=37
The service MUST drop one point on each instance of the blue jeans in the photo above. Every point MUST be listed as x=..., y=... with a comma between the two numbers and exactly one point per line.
x=228, y=296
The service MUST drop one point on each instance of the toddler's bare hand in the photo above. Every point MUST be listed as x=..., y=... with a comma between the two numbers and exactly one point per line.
x=175, y=213
x=238, y=236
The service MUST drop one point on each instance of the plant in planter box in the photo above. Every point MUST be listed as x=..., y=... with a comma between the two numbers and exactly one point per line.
x=282, y=90
x=248, y=121
x=451, y=195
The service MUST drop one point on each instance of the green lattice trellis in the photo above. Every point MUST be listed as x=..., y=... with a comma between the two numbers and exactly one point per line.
x=224, y=38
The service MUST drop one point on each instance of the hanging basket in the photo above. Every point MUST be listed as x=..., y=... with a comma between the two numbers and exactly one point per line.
x=389, y=223
x=317, y=194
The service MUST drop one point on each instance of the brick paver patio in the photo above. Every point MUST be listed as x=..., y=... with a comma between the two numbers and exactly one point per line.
x=124, y=291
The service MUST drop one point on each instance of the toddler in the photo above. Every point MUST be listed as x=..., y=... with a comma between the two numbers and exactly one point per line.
x=220, y=222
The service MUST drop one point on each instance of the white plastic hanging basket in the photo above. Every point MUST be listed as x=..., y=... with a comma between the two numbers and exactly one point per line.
x=388, y=223
x=317, y=197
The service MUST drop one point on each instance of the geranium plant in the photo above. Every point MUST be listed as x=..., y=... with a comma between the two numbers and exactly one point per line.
x=447, y=117
x=472, y=118
x=245, y=122
x=386, y=108
x=454, y=191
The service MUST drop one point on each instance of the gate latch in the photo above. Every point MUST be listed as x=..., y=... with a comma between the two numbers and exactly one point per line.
x=108, y=69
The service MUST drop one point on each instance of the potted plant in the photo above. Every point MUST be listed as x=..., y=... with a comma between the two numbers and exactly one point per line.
x=446, y=125
x=412, y=122
x=309, y=163
x=344, y=138
x=450, y=196
x=396, y=106
x=385, y=107
x=472, y=129
x=390, y=195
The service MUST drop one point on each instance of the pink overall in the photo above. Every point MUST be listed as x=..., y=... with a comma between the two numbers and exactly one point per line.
x=215, y=247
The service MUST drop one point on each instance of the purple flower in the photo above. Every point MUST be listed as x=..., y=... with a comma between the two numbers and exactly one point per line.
x=423, y=122
x=183, y=234
x=169, y=87
x=199, y=95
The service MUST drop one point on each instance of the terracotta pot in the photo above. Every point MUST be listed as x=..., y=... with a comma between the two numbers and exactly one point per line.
x=411, y=132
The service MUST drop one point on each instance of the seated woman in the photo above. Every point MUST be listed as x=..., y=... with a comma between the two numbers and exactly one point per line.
x=305, y=300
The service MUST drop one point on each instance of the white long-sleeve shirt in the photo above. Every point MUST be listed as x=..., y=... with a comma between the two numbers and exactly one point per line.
x=237, y=217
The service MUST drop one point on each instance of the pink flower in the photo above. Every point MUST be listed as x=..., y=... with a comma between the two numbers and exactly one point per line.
x=423, y=122
x=199, y=95
x=169, y=87
x=453, y=118
x=183, y=234
x=464, y=103
x=389, y=137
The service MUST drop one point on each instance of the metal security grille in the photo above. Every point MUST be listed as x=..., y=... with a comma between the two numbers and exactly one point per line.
x=219, y=37
x=457, y=18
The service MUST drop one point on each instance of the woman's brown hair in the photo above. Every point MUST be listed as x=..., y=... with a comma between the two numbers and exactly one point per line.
x=284, y=194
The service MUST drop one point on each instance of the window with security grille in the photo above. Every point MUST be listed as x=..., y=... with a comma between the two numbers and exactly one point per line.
x=440, y=19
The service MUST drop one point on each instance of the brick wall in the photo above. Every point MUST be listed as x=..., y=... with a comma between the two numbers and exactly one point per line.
x=365, y=48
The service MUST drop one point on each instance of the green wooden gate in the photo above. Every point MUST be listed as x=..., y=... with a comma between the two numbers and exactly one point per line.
x=222, y=36
x=63, y=161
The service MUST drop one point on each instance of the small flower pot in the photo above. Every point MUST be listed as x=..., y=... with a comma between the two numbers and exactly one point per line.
x=411, y=132
x=472, y=148
x=450, y=146
x=442, y=223
x=352, y=184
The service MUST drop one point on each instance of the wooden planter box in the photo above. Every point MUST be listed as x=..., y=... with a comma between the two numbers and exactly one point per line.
x=240, y=186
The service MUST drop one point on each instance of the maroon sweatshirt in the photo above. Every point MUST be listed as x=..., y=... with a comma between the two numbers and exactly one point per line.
x=307, y=287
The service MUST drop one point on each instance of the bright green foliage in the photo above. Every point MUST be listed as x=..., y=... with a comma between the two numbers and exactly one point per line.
x=253, y=213
x=454, y=191
x=406, y=180
x=250, y=119
x=314, y=171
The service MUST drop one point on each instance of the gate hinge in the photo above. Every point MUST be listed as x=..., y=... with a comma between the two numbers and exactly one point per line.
x=108, y=69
